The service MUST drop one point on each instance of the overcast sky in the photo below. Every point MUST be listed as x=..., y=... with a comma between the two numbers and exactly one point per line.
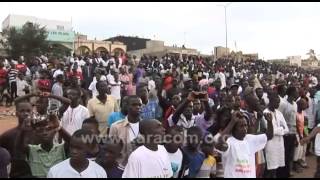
x=274, y=30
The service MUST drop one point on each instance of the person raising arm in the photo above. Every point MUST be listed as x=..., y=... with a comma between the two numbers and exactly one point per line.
x=238, y=151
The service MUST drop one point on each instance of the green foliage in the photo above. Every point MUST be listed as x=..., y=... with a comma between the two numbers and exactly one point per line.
x=59, y=50
x=29, y=41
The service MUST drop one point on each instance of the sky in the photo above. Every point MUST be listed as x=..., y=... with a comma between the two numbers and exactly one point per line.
x=273, y=29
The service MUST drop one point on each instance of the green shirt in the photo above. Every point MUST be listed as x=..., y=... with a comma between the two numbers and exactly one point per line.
x=40, y=161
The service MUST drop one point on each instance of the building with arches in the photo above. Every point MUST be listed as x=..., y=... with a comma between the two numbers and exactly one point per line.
x=61, y=34
x=83, y=46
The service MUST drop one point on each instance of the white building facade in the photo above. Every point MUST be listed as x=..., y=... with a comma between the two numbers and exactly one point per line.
x=60, y=32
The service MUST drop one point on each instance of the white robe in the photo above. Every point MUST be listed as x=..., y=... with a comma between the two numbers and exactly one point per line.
x=274, y=149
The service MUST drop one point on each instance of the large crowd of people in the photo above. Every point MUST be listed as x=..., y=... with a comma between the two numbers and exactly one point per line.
x=176, y=116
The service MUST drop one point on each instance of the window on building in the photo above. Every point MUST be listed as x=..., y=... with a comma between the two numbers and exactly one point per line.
x=61, y=28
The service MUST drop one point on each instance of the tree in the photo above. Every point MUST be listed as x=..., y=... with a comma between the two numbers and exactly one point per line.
x=312, y=55
x=28, y=41
x=58, y=50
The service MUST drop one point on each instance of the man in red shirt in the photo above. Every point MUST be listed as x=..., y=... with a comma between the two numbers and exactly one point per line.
x=21, y=67
x=3, y=81
x=3, y=76
x=75, y=73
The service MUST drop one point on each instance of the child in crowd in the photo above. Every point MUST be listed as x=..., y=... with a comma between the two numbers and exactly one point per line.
x=78, y=166
x=208, y=168
x=91, y=124
x=193, y=156
x=173, y=148
x=108, y=155
x=300, y=150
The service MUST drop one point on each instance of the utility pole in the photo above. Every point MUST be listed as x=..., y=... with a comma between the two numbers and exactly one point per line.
x=226, y=26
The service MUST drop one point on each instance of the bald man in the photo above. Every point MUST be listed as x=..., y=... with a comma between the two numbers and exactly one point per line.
x=151, y=160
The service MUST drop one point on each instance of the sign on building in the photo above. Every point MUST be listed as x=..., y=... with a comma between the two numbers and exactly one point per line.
x=60, y=36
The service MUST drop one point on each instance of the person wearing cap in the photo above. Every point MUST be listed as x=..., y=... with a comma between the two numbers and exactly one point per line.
x=5, y=160
x=234, y=89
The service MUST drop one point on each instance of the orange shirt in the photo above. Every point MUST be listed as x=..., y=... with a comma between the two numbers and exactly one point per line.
x=300, y=123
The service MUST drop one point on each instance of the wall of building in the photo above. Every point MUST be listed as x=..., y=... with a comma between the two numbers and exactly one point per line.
x=220, y=51
x=20, y=20
x=96, y=46
x=132, y=43
x=157, y=48
x=253, y=56
x=294, y=60
x=58, y=31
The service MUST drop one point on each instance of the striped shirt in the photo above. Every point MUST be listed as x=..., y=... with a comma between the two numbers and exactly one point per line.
x=12, y=75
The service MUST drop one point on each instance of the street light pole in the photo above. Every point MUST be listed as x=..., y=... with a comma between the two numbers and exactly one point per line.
x=225, y=21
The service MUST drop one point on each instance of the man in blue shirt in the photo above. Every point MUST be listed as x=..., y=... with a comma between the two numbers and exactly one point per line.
x=117, y=116
x=150, y=108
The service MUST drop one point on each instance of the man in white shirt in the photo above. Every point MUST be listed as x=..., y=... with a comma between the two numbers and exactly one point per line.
x=116, y=87
x=274, y=150
x=78, y=166
x=75, y=114
x=289, y=110
x=150, y=160
x=222, y=78
x=311, y=111
x=22, y=85
x=60, y=70
x=238, y=151
x=92, y=87
x=57, y=90
x=173, y=149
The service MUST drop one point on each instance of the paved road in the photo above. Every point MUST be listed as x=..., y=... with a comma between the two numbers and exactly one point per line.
x=9, y=121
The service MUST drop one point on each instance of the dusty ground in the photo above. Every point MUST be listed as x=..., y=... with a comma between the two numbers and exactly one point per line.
x=308, y=173
x=8, y=120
